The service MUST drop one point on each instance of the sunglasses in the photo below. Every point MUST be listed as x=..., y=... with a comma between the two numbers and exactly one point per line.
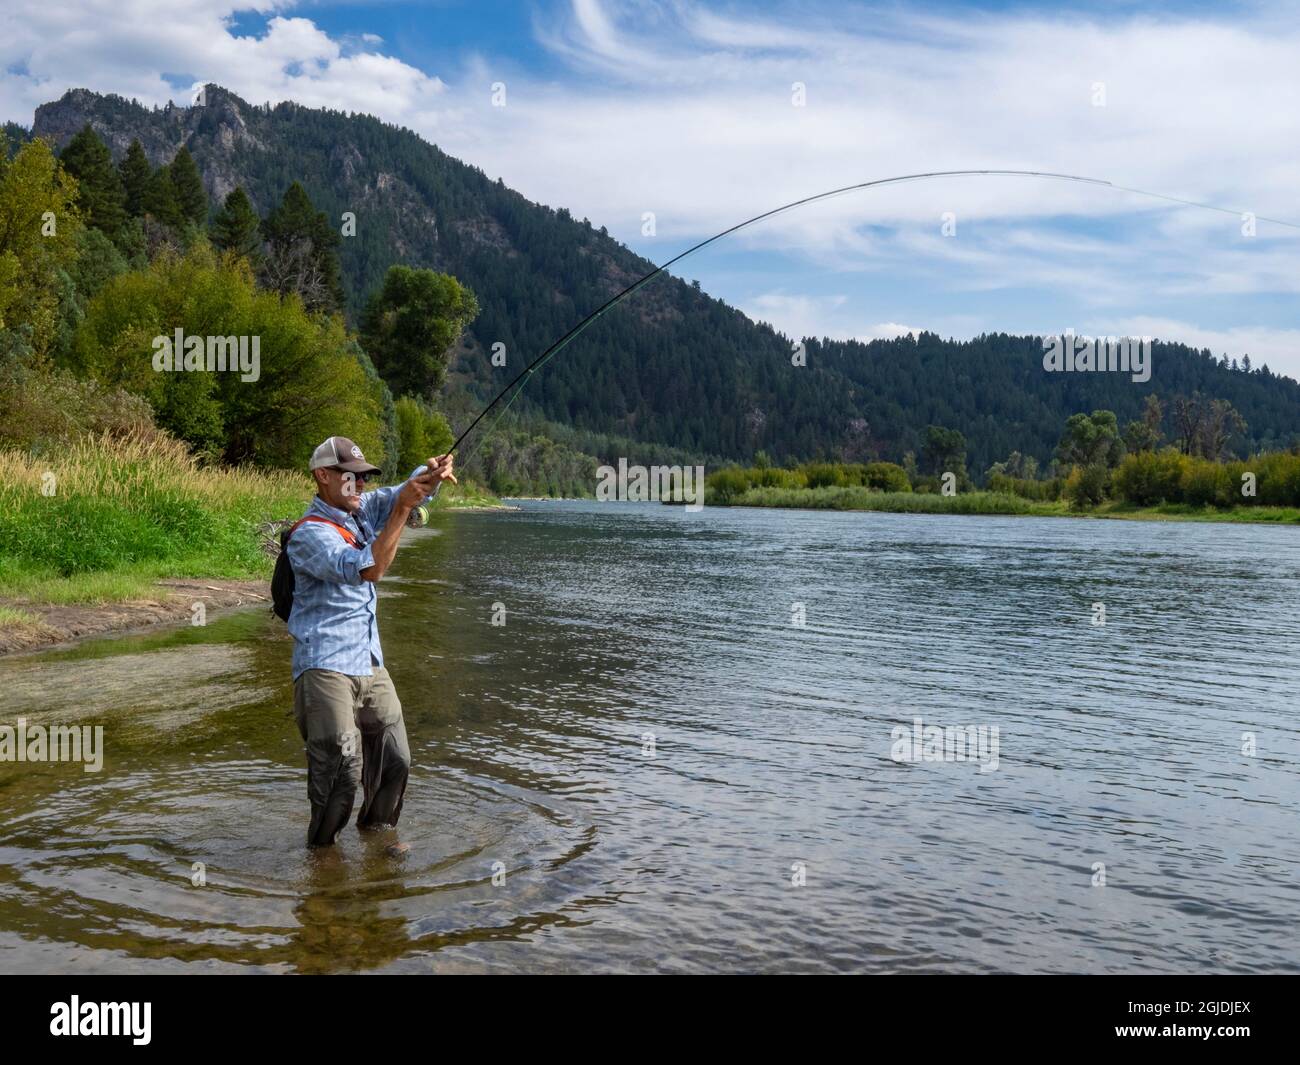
x=349, y=473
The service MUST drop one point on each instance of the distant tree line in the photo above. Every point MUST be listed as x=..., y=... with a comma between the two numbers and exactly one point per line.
x=1094, y=461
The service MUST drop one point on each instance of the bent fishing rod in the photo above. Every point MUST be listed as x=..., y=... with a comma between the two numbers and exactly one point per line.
x=521, y=380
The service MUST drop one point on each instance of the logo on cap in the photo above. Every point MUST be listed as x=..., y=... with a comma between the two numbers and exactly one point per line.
x=356, y=452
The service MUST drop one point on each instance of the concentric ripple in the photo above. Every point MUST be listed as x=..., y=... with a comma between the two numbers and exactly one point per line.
x=207, y=863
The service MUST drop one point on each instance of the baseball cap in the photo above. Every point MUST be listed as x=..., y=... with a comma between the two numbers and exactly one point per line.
x=341, y=452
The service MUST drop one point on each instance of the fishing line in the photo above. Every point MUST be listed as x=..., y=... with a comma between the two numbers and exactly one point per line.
x=524, y=375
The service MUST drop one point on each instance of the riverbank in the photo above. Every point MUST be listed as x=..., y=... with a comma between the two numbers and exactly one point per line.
x=29, y=626
x=994, y=504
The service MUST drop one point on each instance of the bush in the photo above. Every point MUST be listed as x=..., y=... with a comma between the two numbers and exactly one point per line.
x=1207, y=483
x=1277, y=478
x=1026, y=488
x=1145, y=478
x=42, y=407
x=1086, y=485
x=311, y=379
x=422, y=432
x=887, y=477
x=727, y=484
x=826, y=475
x=773, y=477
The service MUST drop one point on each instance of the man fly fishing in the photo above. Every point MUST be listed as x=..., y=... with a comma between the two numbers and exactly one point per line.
x=344, y=702
x=343, y=699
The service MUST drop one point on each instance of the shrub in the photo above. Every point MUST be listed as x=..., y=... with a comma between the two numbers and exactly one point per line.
x=311, y=379
x=826, y=475
x=42, y=407
x=1146, y=478
x=1277, y=477
x=1086, y=485
x=1206, y=484
x=727, y=484
x=1025, y=487
x=887, y=477
x=422, y=432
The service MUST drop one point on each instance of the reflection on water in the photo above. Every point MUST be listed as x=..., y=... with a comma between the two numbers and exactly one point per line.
x=629, y=772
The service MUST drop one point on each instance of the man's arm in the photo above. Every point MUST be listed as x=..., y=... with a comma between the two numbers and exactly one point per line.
x=407, y=498
x=377, y=506
x=321, y=552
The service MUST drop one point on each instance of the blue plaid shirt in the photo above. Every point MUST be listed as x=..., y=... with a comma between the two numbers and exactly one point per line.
x=333, y=617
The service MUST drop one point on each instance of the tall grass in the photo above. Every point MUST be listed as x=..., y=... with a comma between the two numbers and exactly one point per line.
x=860, y=498
x=465, y=494
x=993, y=503
x=136, y=507
x=731, y=482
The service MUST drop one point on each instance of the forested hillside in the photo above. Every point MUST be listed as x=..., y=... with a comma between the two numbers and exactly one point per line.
x=672, y=366
x=993, y=389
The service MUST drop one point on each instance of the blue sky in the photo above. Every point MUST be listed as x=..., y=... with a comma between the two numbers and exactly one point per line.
x=690, y=111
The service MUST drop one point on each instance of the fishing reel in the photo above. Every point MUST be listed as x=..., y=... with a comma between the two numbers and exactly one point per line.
x=419, y=516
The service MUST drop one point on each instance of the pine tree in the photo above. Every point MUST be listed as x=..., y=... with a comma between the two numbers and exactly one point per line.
x=100, y=194
x=191, y=199
x=302, y=256
x=134, y=171
x=236, y=228
x=160, y=198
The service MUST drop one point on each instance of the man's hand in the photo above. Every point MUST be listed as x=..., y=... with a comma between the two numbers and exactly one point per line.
x=440, y=466
x=413, y=492
x=437, y=469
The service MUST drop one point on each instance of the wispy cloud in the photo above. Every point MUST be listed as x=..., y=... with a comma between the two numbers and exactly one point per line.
x=692, y=112
x=832, y=316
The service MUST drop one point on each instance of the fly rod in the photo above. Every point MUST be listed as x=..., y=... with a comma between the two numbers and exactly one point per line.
x=521, y=380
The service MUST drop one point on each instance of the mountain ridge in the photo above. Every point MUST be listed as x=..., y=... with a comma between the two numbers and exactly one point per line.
x=673, y=366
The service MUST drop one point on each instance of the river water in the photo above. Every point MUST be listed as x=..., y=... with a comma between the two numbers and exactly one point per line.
x=679, y=751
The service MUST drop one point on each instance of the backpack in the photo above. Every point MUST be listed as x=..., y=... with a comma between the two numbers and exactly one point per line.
x=282, y=581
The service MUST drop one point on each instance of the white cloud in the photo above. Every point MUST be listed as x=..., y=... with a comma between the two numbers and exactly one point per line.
x=686, y=111
x=834, y=316
x=1279, y=348
x=127, y=46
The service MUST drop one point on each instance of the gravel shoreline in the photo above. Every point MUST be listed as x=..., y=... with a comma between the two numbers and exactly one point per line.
x=53, y=625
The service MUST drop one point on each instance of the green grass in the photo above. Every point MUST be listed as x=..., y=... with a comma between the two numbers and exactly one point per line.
x=108, y=586
x=857, y=498
x=100, y=520
x=125, y=513
x=1247, y=515
x=463, y=495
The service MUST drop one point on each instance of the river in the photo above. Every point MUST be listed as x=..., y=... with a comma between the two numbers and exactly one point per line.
x=678, y=750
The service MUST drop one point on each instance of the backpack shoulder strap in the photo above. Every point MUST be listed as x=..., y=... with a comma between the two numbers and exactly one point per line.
x=347, y=534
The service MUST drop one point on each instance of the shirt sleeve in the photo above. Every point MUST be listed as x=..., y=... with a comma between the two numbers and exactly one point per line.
x=320, y=551
x=378, y=505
